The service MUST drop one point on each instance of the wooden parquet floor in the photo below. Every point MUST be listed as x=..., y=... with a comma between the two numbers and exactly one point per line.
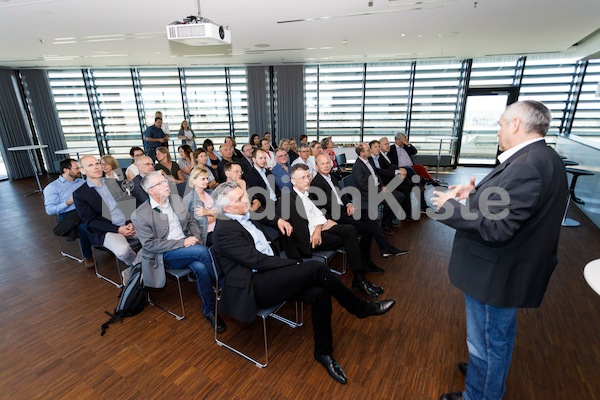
x=52, y=309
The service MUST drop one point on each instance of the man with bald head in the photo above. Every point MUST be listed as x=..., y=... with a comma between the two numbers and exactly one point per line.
x=105, y=209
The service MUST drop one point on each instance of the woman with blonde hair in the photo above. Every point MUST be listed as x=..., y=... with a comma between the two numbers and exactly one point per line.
x=167, y=166
x=201, y=158
x=110, y=167
x=200, y=204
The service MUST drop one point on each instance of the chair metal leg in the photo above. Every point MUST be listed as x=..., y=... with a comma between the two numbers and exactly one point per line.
x=292, y=324
x=568, y=222
x=177, y=316
x=99, y=275
x=65, y=254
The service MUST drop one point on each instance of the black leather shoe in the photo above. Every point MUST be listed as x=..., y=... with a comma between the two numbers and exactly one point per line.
x=375, y=288
x=364, y=288
x=376, y=307
x=375, y=269
x=393, y=252
x=210, y=318
x=387, y=230
x=452, y=396
x=333, y=368
x=462, y=367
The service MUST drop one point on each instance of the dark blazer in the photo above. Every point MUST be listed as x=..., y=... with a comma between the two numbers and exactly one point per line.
x=508, y=262
x=89, y=206
x=137, y=191
x=221, y=170
x=393, y=154
x=361, y=175
x=253, y=179
x=386, y=171
x=246, y=165
x=331, y=204
x=236, y=256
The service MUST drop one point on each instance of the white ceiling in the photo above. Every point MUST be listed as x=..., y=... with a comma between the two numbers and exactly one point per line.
x=56, y=33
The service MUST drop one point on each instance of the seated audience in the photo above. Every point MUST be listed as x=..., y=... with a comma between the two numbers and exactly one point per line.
x=167, y=166
x=58, y=200
x=260, y=177
x=246, y=159
x=231, y=141
x=254, y=141
x=200, y=205
x=144, y=166
x=267, y=136
x=303, y=155
x=102, y=206
x=293, y=151
x=226, y=152
x=315, y=150
x=265, y=145
x=367, y=178
x=388, y=172
x=132, y=171
x=110, y=167
x=186, y=162
x=281, y=170
x=201, y=158
x=254, y=277
x=170, y=235
x=313, y=232
x=213, y=158
x=401, y=153
x=339, y=208
x=233, y=172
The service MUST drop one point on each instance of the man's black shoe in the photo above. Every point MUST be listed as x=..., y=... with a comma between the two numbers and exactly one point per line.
x=210, y=318
x=452, y=396
x=375, y=307
x=333, y=368
x=393, y=252
x=375, y=269
x=462, y=367
x=387, y=230
x=364, y=287
x=375, y=288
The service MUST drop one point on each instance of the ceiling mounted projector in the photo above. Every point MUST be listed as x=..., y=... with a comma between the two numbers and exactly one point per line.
x=198, y=31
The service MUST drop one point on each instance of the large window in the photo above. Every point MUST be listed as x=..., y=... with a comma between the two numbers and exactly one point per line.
x=386, y=99
x=587, y=116
x=73, y=108
x=549, y=81
x=339, y=103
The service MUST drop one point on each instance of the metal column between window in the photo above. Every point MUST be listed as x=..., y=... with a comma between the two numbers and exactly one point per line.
x=229, y=102
x=459, y=111
x=566, y=122
x=409, y=100
x=362, y=102
x=92, y=95
x=139, y=104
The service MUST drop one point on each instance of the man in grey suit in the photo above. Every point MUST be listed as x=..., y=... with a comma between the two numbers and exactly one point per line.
x=505, y=248
x=170, y=237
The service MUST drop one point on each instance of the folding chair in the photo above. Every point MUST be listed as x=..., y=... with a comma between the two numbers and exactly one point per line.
x=64, y=253
x=327, y=255
x=178, y=274
x=263, y=313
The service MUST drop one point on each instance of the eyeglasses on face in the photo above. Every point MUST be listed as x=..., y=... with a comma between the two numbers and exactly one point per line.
x=163, y=182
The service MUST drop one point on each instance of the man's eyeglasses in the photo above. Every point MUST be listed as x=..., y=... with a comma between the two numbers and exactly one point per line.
x=163, y=182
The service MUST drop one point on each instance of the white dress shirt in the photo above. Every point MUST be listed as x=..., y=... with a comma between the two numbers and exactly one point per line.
x=314, y=216
x=175, y=231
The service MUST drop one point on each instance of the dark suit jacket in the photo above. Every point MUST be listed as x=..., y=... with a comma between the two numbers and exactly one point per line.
x=221, y=170
x=386, y=171
x=508, y=262
x=361, y=175
x=89, y=206
x=331, y=204
x=137, y=191
x=393, y=154
x=246, y=165
x=236, y=256
x=253, y=179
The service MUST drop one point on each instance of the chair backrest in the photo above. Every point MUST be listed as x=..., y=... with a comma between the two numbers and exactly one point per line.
x=349, y=180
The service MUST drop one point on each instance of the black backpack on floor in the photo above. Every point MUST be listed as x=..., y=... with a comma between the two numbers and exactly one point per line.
x=132, y=300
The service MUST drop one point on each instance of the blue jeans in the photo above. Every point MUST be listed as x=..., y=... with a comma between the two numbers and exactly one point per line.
x=490, y=340
x=198, y=259
x=84, y=239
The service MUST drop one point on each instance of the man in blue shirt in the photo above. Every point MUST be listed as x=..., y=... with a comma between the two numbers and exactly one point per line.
x=58, y=200
x=281, y=170
x=155, y=137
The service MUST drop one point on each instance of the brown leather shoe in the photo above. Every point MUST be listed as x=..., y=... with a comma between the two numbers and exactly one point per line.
x=88, y=262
